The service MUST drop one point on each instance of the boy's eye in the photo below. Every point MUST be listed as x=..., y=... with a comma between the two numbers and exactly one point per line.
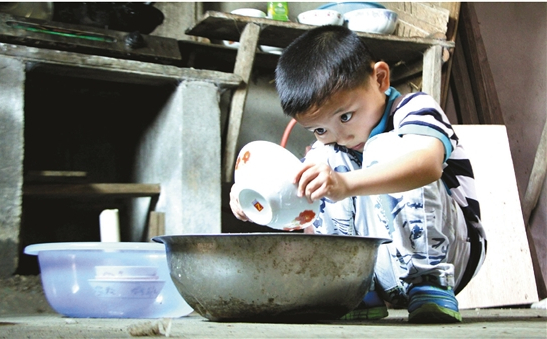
x=346, y=117
x=319, y=131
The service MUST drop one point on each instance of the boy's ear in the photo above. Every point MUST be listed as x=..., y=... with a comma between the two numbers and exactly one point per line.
x=381, y=72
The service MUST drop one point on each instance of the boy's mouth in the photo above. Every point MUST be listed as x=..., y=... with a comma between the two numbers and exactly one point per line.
x=358, y=148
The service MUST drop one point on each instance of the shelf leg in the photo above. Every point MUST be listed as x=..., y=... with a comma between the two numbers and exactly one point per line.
x=243, y=67
x=12, y=112
x=432, y=72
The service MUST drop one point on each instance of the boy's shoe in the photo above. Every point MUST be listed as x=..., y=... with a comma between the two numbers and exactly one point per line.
x=371, y=308
x=431, y=304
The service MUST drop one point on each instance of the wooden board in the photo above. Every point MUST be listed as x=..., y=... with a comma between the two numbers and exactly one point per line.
x=99, y=190
x=61, y=177
x=530, y=201
x=507, y=276
x=112, y=69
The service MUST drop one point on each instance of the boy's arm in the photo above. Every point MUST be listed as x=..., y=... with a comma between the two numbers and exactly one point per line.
x=421, y=163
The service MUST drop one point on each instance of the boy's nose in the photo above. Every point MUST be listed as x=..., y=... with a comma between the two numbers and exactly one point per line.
x=344, y=140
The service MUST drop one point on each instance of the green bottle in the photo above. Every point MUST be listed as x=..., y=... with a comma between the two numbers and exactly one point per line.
x=278, y=11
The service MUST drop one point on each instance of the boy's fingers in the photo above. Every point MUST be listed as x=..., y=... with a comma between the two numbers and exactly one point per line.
x=300, y=179
x=304, y=184
x=315, y=191
x=310, y=182
x=303, y=169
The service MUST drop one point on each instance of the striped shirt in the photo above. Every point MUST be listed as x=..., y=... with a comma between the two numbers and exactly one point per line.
x=419, y=113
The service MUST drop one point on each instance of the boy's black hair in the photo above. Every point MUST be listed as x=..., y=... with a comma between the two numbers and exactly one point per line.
x=319, y=63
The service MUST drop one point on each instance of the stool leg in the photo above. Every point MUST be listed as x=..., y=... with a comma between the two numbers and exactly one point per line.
x=156, y=224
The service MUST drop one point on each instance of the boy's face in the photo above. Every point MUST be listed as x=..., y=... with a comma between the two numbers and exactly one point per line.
x=348, y=117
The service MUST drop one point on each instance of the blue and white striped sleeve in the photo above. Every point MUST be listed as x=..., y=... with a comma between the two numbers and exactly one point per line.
x=419, y=113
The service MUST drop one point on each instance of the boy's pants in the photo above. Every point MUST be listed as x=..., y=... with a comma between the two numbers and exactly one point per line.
x=426, y=225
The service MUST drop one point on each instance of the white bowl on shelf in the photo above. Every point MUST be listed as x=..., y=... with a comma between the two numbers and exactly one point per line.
x=348, y=6
x=372, y=20
x=271, y=49
x=250, y=12
x=231, y=44
x=321, y=17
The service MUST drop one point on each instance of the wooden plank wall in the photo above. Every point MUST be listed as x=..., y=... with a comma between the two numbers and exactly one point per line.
x=472, y=84
x=476, y=101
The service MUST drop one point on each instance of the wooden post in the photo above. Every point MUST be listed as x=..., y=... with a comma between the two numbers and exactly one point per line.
x=156, y=225
x=432, y=72
x=484, y=89
x=462, y=90
x=243, y=67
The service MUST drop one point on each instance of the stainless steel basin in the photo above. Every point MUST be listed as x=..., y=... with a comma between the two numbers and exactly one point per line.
x=288, y=277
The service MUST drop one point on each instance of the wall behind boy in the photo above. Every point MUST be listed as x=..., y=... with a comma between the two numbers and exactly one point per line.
x=518, y=61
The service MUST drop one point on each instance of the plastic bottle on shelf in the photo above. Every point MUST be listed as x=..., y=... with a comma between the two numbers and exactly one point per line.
x=278, y=11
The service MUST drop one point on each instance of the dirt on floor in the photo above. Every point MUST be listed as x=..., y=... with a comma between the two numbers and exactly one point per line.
x=23, y=294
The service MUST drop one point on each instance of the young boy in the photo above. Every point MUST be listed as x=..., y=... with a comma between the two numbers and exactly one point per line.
x=383, y=165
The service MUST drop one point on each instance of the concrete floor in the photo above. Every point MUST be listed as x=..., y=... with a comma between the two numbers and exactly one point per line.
x=483, y=323
x=25, y=313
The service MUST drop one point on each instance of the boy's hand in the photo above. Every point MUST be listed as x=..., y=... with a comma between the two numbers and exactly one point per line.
x=316, y=181
x=235, y=206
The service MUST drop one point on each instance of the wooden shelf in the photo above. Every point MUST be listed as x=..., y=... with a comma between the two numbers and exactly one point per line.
x=112, y=69
x=92, y=190
x=390, y=48
x=212, y=56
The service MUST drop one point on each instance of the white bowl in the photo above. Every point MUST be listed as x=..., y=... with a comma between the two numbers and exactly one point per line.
x=231, y=44
x=321, y=17
x=372, y=20
x=348, y=6
x=263, y=175
x=263, y=48
x=251, y=12
x=72, y=288
x=271, y=49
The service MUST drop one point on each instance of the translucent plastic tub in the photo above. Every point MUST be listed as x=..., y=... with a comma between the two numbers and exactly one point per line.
x=75, y=287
